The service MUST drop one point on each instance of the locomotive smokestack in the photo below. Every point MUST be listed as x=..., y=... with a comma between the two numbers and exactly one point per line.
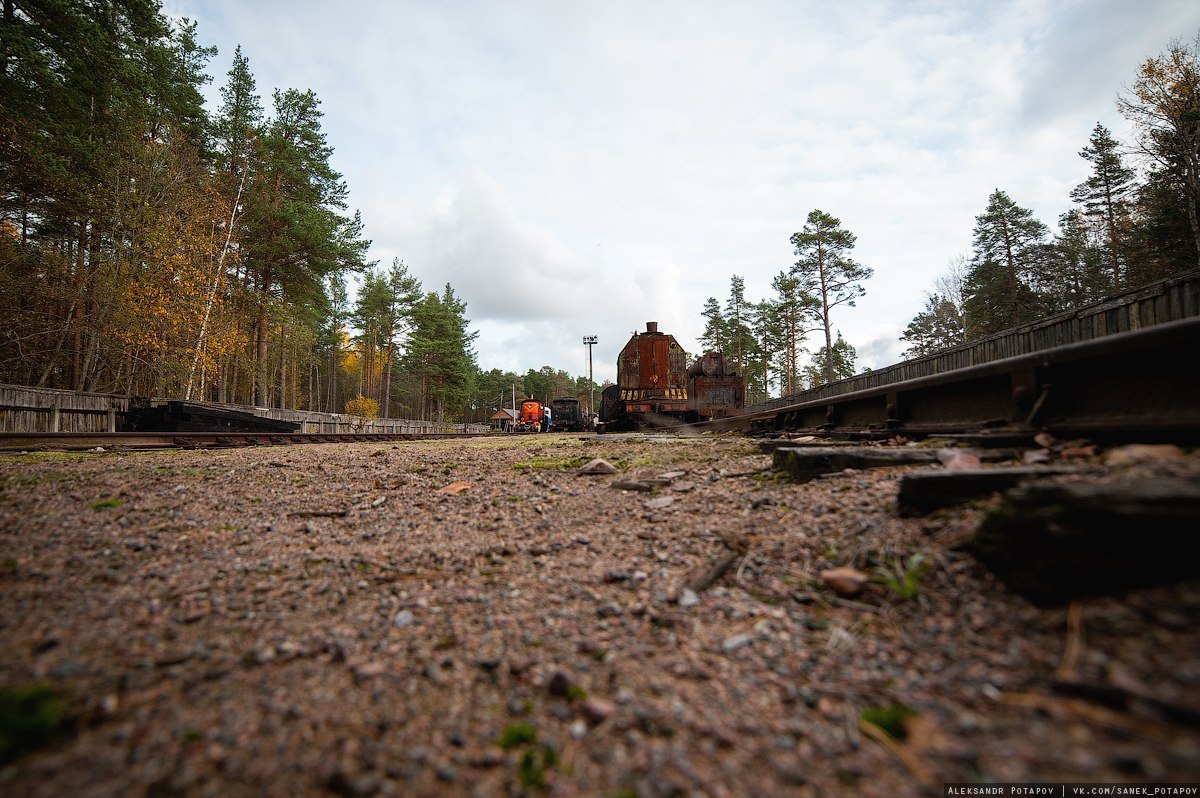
x=651, y=326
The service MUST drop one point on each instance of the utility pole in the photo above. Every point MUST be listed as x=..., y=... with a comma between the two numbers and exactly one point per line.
x=589, y=341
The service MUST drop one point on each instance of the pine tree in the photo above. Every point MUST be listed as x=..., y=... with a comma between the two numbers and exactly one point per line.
x=1161, y=242
x=1079, y=266
x=1009, y=249
x=331, y=341
x=239, y=120
x=295, y=235
x=179, y=69
x=827, y=273
x=939, y=326
x=440, y=358
x=842, y=365
x=787, y=318
x=739, y=336
x=383, y=312
x=1105, y=197
x=713, y=337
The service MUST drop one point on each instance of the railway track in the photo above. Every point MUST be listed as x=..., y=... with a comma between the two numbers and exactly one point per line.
x=90, y=441
x=1142, y=384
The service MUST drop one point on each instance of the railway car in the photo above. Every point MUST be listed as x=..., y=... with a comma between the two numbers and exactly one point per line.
x=567, y=417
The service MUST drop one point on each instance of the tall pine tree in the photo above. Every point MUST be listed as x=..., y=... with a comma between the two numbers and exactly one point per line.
x=1009, y=246
x=827, y=273
x=1106, y=198
x=740, y=338
x=440, y=357
x=295, y=233
x=713, y=337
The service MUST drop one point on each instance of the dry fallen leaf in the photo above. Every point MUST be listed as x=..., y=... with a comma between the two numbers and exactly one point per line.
x=1142, y=452
x=1080, y=451
x=954, y=460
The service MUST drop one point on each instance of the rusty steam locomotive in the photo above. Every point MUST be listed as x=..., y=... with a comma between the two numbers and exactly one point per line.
x=655, y=386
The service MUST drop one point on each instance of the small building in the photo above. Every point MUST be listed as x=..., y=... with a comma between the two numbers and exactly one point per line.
x=503, y=419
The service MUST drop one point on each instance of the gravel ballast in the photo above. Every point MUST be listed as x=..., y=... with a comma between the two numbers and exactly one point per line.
x=476, y=618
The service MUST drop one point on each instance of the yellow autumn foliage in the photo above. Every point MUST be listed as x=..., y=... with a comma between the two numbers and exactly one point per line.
x=175, y=276
x=363, y=408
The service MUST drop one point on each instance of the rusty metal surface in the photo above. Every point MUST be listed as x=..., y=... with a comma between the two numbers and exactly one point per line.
x=652, y=363
x=715, y=397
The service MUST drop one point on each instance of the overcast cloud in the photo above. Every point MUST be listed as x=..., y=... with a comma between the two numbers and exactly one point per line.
x=578, y=168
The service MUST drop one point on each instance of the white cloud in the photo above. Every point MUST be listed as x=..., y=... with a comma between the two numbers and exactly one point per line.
x=508, y=270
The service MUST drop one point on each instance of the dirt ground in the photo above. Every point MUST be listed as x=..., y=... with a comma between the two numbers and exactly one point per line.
x=474, y=618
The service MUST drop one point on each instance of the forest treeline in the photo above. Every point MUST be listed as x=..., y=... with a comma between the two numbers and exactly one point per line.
x=1133, y=220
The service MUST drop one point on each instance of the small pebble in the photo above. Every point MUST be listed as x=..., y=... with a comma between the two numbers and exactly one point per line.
x=735, y=642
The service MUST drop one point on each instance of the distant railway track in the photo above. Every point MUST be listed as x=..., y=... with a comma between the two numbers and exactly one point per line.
x=1140, y=384
x=90, y=441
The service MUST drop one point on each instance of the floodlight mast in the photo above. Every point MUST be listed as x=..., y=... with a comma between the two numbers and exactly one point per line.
x=589, y=341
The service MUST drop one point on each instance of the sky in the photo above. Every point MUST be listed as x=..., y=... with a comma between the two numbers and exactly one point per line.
x=582, y=168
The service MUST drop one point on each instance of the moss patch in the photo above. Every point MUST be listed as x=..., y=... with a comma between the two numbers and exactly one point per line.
x=890, y=718
x=30, y=715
